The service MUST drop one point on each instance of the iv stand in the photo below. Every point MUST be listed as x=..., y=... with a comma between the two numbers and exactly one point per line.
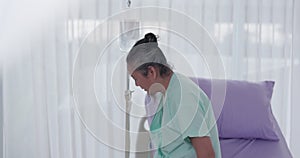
x=128, y=95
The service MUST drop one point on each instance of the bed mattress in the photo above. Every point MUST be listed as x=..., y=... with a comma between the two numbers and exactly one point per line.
x=258, y=148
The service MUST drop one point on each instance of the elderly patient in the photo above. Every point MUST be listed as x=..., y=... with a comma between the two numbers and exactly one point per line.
x=183, y=124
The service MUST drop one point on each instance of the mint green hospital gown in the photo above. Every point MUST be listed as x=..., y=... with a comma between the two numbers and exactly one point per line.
x=184, y=111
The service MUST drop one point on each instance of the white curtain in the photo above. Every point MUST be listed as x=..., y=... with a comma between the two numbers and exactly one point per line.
x=40, y=43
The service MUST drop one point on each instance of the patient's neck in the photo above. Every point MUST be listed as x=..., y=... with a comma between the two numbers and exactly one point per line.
x=161, y=84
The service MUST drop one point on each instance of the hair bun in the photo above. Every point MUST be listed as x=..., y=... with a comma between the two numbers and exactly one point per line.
x=150, y=37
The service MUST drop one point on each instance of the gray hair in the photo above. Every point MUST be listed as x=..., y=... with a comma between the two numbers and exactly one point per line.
x=145, y=53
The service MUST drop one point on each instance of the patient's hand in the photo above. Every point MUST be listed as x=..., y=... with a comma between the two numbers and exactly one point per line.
x=203, y=147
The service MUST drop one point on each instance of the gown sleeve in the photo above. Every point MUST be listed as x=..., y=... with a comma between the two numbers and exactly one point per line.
x=191, y=115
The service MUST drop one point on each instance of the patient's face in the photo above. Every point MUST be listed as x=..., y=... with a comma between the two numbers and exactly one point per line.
x=142, y=81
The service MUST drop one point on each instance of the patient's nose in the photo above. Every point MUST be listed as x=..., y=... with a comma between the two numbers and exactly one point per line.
x=136, y=84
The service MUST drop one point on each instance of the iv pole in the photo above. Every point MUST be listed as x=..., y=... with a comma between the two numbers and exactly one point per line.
x=128, y=95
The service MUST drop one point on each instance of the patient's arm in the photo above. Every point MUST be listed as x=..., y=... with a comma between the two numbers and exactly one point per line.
x=203, y=147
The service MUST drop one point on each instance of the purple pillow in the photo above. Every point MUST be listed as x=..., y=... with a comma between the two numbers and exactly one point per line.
x=246, y=109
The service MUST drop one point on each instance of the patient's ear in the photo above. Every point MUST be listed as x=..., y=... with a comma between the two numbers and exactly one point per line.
x=152, y=72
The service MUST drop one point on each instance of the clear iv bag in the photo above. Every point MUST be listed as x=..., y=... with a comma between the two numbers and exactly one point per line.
x=129, y=34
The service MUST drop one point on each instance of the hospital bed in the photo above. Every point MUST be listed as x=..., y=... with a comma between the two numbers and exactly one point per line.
x=247, y=127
